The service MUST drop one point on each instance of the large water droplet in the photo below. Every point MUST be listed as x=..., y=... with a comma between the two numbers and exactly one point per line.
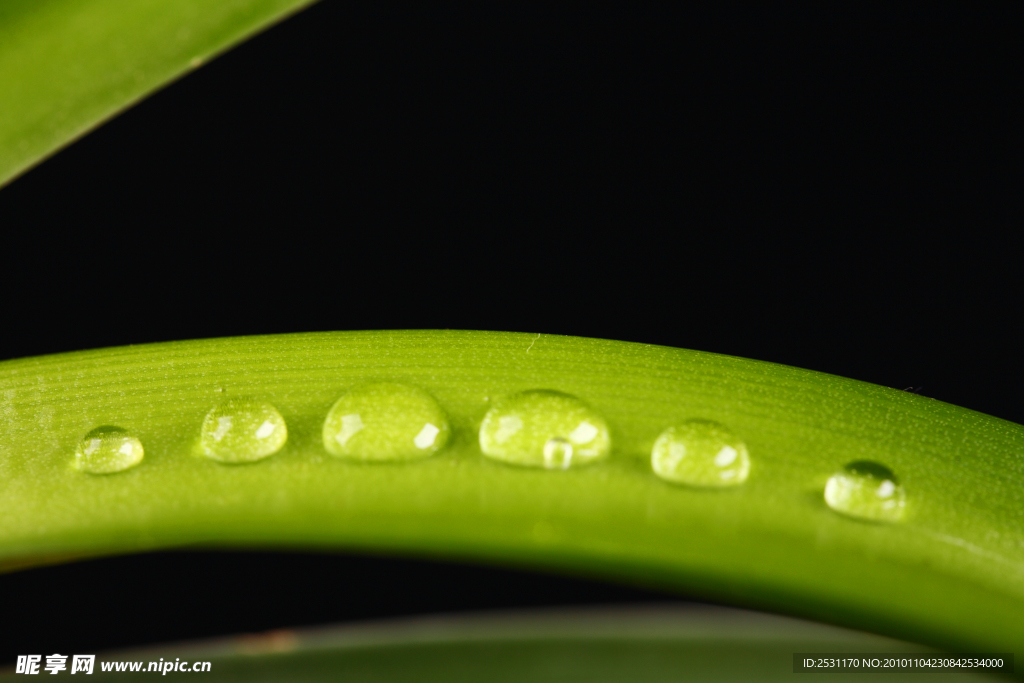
x=242, y=430
x=385, y=421
x=108, y=449
x=866, y=490
x=544, y=428
x=700, y=453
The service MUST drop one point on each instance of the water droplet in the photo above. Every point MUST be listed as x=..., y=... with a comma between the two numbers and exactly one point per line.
x=700, y=453
x=542, y=428
x=105, y=450
x=557, y=454
x=386, y=421
x=866, y=490
x=242, y=430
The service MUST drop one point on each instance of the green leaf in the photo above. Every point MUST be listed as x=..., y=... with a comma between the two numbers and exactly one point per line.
x=949, y=574
x=597, y=645
x=68, y=65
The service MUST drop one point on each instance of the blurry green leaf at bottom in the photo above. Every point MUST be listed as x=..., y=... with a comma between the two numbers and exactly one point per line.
x=599, y=645
x=68, y=65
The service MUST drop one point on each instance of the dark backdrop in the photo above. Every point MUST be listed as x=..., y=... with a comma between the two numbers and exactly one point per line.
x=834, y=188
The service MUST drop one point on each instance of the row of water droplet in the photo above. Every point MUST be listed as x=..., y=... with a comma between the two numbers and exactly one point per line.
x=540, y=428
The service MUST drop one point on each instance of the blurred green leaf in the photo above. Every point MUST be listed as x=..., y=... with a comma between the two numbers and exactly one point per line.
x=66, y=66
x=598, y=645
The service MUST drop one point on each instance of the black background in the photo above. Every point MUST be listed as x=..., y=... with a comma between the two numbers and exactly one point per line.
x=835, y=188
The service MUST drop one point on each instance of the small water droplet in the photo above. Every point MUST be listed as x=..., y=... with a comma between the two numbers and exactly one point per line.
x=385, y=421
x=543, y=428
x=866, y=490
x=557, y=453
x=242, y=430
x=700, y=453
x=105, y=450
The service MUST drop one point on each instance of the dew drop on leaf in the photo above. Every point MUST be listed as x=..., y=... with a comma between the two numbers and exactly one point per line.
x=385, y=422
x=105, y=450
x=700, y=453
x=866, y=490
x=242, y=430
x=543, y=428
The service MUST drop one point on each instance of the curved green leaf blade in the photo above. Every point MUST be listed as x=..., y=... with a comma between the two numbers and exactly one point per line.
x=68, y=65
x=950, y=575
x=638, y=645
